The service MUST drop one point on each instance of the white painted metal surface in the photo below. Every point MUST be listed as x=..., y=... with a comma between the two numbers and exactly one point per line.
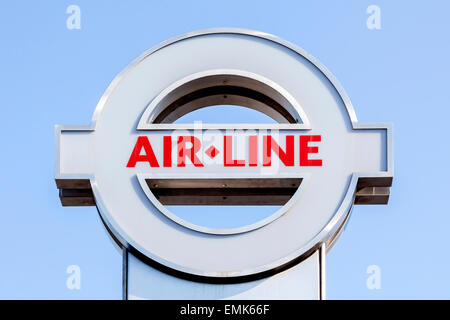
x=301, y=282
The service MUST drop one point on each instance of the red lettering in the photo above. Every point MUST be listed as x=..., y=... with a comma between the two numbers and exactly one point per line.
x=143, y=151
x=149, y=156
x=253, y=151
x=305, y=150
x=189, y=152
x=228, y=154
x=270, y=144
x=167, y=151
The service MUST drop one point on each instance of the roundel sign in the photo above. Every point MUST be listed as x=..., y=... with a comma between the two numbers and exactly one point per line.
x=133, y=161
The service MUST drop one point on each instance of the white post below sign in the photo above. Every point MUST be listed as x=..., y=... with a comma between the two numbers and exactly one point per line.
x=304, y=281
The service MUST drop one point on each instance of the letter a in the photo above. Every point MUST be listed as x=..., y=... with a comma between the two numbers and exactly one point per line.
x=149, y=156
x=74, y=20
x=374, y=20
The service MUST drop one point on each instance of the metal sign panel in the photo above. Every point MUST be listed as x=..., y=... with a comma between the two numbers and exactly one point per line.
x=317, y=161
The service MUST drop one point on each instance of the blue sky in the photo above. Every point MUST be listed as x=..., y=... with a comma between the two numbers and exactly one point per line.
x=53, y=75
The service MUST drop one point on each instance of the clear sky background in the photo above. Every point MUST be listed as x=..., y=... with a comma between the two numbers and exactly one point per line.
x=52, y=75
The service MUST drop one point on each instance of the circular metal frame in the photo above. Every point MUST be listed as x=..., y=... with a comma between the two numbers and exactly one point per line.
x=235, y=87
x=330, y=230
x=223, y=86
